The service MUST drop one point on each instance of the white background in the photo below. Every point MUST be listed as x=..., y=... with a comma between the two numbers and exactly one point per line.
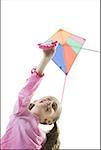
x=27, y=22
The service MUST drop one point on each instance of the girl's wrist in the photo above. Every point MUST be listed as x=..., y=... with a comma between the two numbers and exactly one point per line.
x=47, y=58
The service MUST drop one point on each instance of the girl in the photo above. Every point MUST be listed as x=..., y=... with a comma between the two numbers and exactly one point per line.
x=22, y=131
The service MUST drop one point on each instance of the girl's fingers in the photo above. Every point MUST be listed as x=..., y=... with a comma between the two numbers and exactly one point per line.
x=48, y=46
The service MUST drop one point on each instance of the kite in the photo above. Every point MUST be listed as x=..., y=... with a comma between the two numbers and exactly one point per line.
x=69, y=46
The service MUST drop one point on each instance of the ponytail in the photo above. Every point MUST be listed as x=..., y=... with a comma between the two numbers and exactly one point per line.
x=52, y=141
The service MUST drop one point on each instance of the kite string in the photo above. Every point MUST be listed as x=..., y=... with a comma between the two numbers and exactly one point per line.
x=91, y=50
x=63, y=88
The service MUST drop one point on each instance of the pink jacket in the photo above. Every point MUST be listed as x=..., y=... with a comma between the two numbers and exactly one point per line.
x=22, y=131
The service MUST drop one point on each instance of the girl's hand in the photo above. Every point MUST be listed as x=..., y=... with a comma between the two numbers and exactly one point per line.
x=48, y=49
x=49, y=52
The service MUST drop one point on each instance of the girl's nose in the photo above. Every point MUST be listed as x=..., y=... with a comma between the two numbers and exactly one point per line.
x=49, y=103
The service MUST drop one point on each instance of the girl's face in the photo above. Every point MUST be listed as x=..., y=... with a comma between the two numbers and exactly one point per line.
x=47, y=109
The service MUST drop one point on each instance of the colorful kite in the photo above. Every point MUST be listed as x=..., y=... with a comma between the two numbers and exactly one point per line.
x=68, y=48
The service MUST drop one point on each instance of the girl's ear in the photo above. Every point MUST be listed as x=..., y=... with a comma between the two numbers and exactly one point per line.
x=49, y=122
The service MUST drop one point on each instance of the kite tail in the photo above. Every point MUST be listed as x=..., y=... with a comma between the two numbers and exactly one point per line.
x=63, y=88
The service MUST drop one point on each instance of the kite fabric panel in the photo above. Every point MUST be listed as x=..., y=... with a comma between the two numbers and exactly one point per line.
x=67, y=49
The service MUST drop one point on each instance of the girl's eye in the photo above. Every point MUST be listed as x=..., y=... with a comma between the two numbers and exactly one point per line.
x=54, y=106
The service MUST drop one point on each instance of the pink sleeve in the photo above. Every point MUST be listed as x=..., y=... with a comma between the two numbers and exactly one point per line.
x=26, y=93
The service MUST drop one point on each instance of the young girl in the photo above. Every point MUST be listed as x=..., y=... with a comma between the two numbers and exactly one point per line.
x=22, y=131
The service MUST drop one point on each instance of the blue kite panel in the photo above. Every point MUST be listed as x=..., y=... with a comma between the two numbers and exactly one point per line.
x=59, y=58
